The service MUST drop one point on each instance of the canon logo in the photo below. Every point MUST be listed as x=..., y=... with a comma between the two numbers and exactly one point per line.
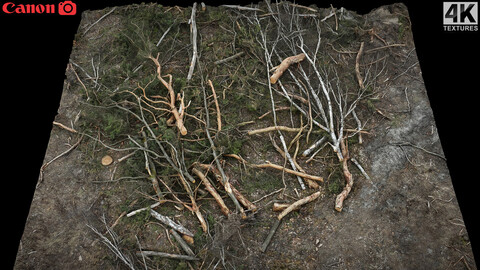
x=64, y=8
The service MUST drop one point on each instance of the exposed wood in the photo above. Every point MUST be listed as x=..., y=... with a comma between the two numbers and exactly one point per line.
x=273, y=128
x=357, y=67
x=182, y=243
x=277, y=207
x=167, y=221
x=168, y=85
x=167, y=255
x=44, y=166
x=242, y=8
x=244, y=201
x=64, y=127
x=193, y=31
x=299, y=203
x=284, y=65
x=278, y=167
x=219, y=115
x=348, y=180
x=212, y=191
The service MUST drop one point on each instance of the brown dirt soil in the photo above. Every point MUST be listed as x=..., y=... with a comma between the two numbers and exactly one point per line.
x=405, y=217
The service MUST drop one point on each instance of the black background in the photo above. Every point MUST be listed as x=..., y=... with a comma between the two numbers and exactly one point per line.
x=34, y=54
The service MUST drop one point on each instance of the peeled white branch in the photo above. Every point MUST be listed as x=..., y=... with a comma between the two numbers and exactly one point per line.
x=167, y=221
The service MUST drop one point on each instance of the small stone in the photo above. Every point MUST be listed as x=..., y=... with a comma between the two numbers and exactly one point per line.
x=107, y=160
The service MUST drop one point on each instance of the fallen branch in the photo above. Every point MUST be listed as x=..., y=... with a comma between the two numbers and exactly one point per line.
x=299, y=203
x=167, y=221
x=277, y=207
x=270, y=235
x=143, y=209
x=212, y=191
x=242, y=8
x=219, y=115
x=193, y=30
x=44, y=166
x=278, y=167
x=182, y=243
x=64, y=127
x=168, y=85
x=244, y=201
x=195, y=207
x=273, y=128
x=361, y=169
x=357, y=67
x=348, y=179
x=313, y=146
x=228, y=58
x=166, y=255
x=284, y=65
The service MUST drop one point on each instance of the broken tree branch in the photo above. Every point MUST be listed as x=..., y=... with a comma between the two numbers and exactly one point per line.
x=193, y=31
x=219, y=115
x=284, y=65
x=228, y=58
x=278, y=167
x=166, y=255
x=182, y=243
x=167, y=221
x=168, y=85
x=299, y=203
x=212, y=191
x=273, y=128
x=244, y=201
x=357, y=67
x=348, y=179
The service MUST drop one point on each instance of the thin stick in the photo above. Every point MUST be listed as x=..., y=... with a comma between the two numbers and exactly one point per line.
x=182, y=243
x=313, y=146
x=167, y=255
x=270, y=235
x=242, y=8
x=361, y=169
x=42, y=169
x=219, y=115
x=278, y=167
x=193, y=30
x=348, y=179
x=357, y=67
x=299, y=203
x=228, y=58
x=64, y=127
x=143, y=209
